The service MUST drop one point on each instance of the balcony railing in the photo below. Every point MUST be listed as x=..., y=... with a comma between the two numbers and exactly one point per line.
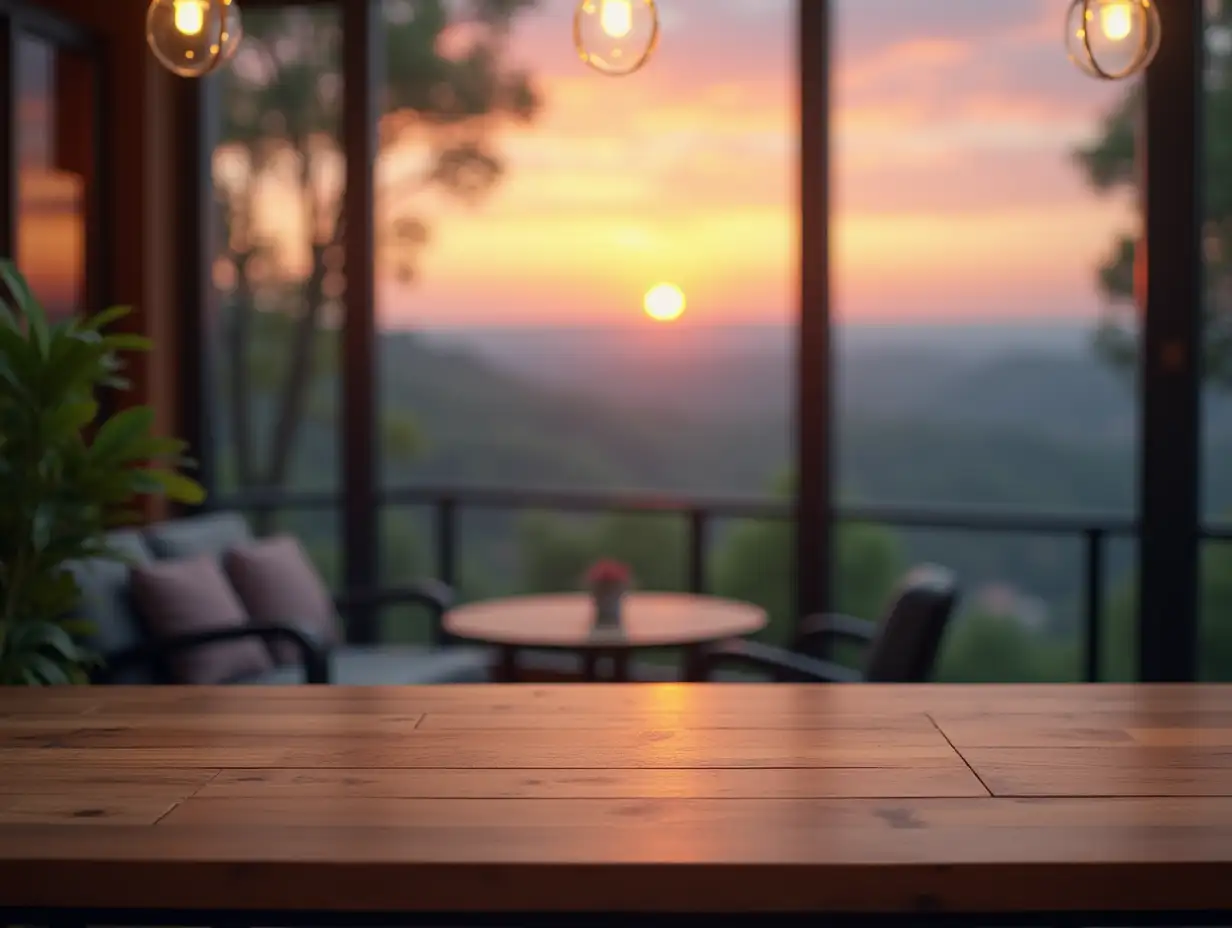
x=446, y=503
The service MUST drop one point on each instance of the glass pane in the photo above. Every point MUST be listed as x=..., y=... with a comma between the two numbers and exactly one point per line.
x=279, y=175
x=539, y=225
x=985, y=220
x=1215, y=630
x=51, y=227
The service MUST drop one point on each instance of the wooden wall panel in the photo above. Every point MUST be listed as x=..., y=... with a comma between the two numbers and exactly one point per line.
x=140, y=192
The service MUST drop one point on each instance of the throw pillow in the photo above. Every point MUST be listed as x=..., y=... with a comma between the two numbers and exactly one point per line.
x=278, y=584
x=180, y=597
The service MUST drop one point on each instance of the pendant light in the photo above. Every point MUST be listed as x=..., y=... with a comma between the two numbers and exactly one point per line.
x=616, y=37
x=193, y=38
x=1113, y=39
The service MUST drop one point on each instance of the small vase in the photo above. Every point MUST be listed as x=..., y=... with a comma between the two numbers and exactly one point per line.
x=608, y=603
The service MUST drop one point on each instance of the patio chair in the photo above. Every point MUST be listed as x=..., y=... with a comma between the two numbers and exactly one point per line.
x=901, y=648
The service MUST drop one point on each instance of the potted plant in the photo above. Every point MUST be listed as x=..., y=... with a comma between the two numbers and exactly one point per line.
x=68, y=475
x=608, y=581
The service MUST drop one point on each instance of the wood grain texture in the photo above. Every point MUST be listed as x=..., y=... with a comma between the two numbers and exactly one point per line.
x=637, y=798
x=661, y=783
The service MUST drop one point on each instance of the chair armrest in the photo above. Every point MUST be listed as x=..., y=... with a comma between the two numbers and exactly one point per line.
x=816, y=632
x=784, y=666
x=437, y=597
x=313, y=657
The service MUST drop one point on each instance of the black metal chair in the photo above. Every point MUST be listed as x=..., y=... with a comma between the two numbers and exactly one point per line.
x=901, y=648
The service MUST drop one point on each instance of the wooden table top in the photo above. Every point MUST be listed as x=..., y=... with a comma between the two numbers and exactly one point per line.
x=565, y=620
x=670, y=798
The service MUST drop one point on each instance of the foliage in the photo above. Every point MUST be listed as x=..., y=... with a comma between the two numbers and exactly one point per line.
x=68, y=475
x=281, y=130
x=1110, y=164
x=556, y=552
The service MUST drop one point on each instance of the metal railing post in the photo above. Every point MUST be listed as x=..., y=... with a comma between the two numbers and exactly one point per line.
x=1094, y=597
x=697, y=550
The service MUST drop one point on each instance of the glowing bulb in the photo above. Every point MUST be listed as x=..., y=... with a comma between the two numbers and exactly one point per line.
x=664, y=302
x=1113, y=39
x=189, y=16
x=616, y=17
x=1116, y=20
x=616, y=36
x=193, y=38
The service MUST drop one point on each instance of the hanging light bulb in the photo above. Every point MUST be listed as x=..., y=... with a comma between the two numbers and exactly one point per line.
x=616, y=36
x=193, y=38
x=1113, y=39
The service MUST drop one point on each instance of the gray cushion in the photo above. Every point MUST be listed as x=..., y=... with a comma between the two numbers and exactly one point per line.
x=212, y=534
x=392, y=665
x=106, y=600
x=190, y=596
x=279, y=586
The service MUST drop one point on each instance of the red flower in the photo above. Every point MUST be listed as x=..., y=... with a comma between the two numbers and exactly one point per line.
x=608, y=572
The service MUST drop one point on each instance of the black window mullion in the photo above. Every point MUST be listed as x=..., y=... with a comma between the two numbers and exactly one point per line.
x=362, y=67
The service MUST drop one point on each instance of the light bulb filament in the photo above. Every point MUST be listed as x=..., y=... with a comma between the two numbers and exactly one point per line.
x=1116, y=20
x=616, y=18
x=189, y=16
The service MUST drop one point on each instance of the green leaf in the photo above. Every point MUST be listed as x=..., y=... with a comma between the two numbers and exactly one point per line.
x=49, y=636
x=101, y=320
x=127, y=343
x=72, y=417
x=29, y=307
x=177, y=487
x=79, y=628
x=119, y=434
x=47, y=671
x=42, y=525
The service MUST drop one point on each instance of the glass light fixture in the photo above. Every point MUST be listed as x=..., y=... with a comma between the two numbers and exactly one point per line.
x=193, y=38
x=616, y=36
x=1113, y=39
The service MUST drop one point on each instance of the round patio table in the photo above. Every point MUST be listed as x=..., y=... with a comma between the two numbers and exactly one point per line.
x=564, y=622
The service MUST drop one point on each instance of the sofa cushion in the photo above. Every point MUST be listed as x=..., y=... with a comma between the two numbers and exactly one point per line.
x=214, y=534
x=192, y=595
x=392, y=666
x=278, y=585
x=107, y=603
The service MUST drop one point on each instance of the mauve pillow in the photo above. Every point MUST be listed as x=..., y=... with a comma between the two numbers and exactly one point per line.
x=278, y=585
x=179, y=597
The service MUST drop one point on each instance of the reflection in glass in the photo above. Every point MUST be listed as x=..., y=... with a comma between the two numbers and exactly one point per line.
x=986, y=210
x=1215, y=643
x=589, y=285
x=279, y=179
x=50, y=247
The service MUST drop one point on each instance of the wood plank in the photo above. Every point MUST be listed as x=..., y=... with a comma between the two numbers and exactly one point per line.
x=114, y=782
x=1103, y=771
x=751, y=783
x=81, y=809
x=1041, y=780
x=778, y=815
x=1113, y=864
x=306, y=725
x=603, y=748
x=535, y=742
x=1102, y=758
x=637, y=798
x=343, y=731
x=1040, y=730
x=874, y=725
x=764, y=700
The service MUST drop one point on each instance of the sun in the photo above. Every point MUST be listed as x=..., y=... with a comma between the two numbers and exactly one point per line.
x=664, y=302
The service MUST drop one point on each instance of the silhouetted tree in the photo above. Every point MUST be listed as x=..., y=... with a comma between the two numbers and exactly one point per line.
x=1111, y=164
x=447, y=90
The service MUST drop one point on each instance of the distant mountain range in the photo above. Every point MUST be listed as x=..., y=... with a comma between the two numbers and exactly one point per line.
x=938, y=424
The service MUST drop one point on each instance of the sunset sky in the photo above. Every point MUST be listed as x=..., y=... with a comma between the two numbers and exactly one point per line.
x=956, y=194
